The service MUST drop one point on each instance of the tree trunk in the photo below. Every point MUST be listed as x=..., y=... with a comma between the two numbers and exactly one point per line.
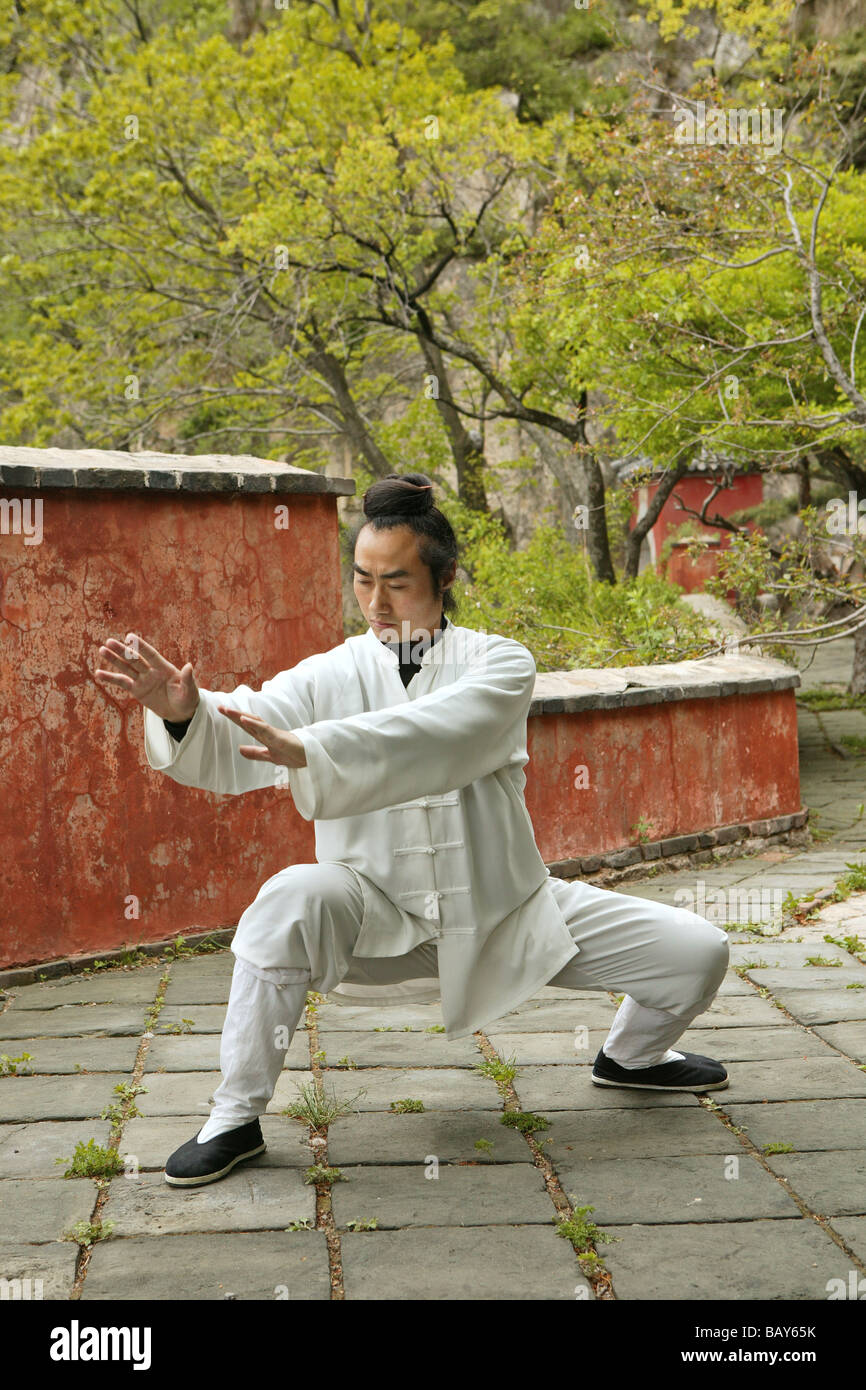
x=466, y=450
x=330, y=369
x=597, y=540
x=642, y=527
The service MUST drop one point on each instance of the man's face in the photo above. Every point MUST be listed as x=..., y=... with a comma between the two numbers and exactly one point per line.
x=393, y=586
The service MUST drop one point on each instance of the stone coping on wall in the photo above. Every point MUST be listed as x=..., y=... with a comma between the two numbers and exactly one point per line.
x=569, y=692
x=148, y=472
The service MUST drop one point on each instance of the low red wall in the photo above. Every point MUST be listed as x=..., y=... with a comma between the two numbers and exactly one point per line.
x=682, y=766
x=99, y=850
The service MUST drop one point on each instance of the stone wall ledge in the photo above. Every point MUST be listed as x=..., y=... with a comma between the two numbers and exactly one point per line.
x=122, y=472
x=621, y=687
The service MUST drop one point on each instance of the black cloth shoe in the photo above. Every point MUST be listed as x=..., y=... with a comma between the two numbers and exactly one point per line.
x=194, y=1163
x=693, y=1073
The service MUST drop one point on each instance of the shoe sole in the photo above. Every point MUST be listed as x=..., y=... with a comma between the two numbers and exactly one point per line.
x=214, y=1177
x=646, y=1086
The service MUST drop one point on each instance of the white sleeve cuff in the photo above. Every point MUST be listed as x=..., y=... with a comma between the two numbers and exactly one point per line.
x=160, y=748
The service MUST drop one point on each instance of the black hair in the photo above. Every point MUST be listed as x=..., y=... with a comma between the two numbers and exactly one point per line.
x=406, y=499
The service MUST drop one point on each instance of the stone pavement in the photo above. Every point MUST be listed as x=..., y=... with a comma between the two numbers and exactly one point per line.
x=757, y=1191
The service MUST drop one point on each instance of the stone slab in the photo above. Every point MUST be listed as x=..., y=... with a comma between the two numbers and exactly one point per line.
x=178, y=1093
x=792, y=1078
x=216, y=965
x=439, y=1088
x=544, y=1089
x=71, y=1021
x=788, y=955
x=852, y=1229
x=52, y=1265
x=398, y=1049
x=754, y=1044
x=201, y=1052
x=832, y=1184
x=728, y=1044
x=813, y=978
x=137, y=986
x=149, y=1142
x=57, y=1098
x=36, y=1210
x=850, y=1038
x=450, y=1135
x=462, y=1195
x=64, y=1056
x=249, y=1198
x=29, y=1150
x=514, y=1263
x=332, y=1018
x=812, y=1006
x=739, y=1012
x=673, y=1189
x=203, y=1018
x=737, y=1260
x=807, y=1124
x=554, y=1016
x=634, y=1133
x=183, y=1268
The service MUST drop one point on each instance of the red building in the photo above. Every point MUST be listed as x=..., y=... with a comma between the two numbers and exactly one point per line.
x=738, y=490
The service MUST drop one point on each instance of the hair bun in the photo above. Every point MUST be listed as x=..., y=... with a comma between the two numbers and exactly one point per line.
x=399, y=494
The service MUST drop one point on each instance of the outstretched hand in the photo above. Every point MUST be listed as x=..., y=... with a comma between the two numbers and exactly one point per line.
x=280, y=746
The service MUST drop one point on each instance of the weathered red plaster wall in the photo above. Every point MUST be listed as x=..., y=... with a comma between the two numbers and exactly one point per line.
x=85, y=823
x=684, y=766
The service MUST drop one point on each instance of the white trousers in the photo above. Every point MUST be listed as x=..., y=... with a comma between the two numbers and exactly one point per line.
x=668, y=963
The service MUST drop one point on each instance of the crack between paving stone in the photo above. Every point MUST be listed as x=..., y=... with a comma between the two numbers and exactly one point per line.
x=823, y=1222
x=152, y=1012
x=711, y=1105
x=599, y=1279
x=324, y=1205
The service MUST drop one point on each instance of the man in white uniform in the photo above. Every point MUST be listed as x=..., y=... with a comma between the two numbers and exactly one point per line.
x=406, y=746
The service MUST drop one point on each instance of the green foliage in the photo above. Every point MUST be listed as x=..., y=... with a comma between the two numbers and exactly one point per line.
x=87, y=1233
x=9, y=1065
x=546, y=597
x=582, y=1232
x=91, y=1160
x=849, y=943
x=318, y=1108
x=125, y=1108
x=406, y=1107
x=523, y=1121
x=321, y=1173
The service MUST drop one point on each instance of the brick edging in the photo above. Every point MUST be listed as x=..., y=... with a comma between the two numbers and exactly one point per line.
x=683, y=850
x=74, y=965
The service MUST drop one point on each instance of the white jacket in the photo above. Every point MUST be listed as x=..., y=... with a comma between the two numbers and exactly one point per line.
x=419, y=790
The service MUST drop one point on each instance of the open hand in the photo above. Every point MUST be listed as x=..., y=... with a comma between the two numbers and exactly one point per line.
x=149, y=677
x=280, y=747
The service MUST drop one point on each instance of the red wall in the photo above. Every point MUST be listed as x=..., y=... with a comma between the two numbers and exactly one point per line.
x=84, y=820
x=746, y=490
x=684, y=765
